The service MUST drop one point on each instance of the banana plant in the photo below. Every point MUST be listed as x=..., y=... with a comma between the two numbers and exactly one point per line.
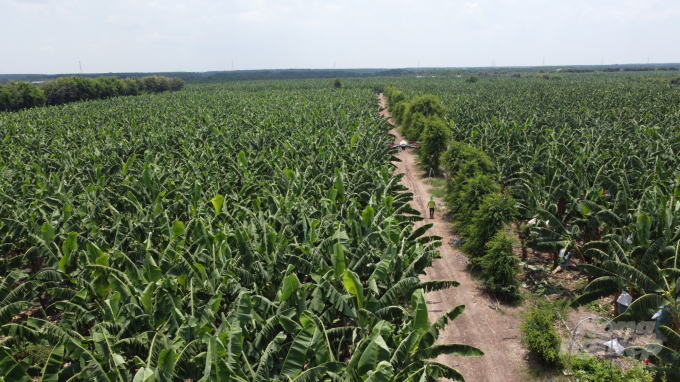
x=667, y=359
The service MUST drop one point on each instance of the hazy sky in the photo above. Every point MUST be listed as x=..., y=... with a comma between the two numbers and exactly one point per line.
x=50, y=36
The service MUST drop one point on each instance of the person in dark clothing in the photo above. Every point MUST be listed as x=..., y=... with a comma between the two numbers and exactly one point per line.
x=431, y=204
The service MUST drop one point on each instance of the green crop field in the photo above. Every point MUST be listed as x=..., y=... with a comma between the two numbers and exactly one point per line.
x=255, y=230
x=245, y=232
x=592, y=164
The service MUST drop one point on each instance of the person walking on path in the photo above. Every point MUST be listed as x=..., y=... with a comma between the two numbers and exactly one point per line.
x=431, y=204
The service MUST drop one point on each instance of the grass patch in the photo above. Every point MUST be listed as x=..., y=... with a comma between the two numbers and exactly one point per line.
x=597, y=307
x=437, y=192
x=435, y=182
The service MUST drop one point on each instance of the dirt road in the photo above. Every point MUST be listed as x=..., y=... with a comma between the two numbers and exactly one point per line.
x=495, y=333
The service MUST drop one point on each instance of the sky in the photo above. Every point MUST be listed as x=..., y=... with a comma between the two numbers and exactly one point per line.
x=51, y=37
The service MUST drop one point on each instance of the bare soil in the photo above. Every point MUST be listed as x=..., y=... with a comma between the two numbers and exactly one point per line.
x=485, y=324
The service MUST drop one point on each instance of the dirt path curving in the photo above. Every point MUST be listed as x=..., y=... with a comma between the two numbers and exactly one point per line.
x=495, y=332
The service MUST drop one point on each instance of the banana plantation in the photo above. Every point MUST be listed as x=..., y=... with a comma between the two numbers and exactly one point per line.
x=238, y=232
x=593, y=164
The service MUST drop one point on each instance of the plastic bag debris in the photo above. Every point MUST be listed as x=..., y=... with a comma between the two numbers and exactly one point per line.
x=615, y=345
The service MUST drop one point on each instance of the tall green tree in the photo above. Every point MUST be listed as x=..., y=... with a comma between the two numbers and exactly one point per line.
x=436, y=137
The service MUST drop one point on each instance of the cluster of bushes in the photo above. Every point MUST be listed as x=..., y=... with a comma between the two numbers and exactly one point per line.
x=667, y=68
x=675, y=81
x=480, y=213
x=22, y=95
x=549, y=77
x=540, y=335
x=587, y=368
x=421, y=120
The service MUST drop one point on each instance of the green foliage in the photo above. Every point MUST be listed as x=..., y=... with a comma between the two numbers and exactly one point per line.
x=472, y=79
x=495, y=212
x=230, y=232
x=73, y=89
x=675, y=81
x=399, y=110
x=436, y=137
x=587, y=368
x=397, y=102
x=428, y=105
x=23, y=95
x=336, y=83
x=593, y=183
x=465, y=196
x=470, y=183
x=540, y=335
x=469, y=158
x=418, y=125
x=394, y=96
x=501, y=267
x=20, y=95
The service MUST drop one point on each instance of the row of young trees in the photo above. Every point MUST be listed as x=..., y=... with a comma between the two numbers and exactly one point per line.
x=603, y=192
x=23, y=95
x=421, y=120
x=481, y=212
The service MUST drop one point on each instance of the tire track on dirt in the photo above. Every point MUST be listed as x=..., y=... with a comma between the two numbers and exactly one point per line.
x=495, y=333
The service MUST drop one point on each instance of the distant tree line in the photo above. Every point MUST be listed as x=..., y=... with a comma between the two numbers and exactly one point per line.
x=578, y=70
x=22, y=95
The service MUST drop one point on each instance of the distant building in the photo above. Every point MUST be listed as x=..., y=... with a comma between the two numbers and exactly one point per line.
x=37, y=82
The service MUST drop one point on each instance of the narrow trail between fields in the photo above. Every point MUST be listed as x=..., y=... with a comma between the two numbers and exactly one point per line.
x=481, y=325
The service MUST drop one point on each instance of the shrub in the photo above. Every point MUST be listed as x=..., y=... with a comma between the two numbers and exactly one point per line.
x=472, y=79
x=466, y=162
x=589, y=369
x=501, y=267
x=6, y=99
x=417, y=127
x=399, y=110
x=337, y=84
x=394, y=97
x=495, y=212
x=460, y=153
x=436, y=137
x=463, y=201
x=516, y=75
x=176, y=84
x=427, y=105
x=20, y=95
x=540, y=335
x=675, y=81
